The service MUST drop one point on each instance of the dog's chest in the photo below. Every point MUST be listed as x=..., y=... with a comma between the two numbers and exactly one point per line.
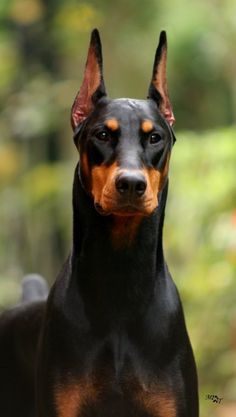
x=117, y=385
x=102, y=397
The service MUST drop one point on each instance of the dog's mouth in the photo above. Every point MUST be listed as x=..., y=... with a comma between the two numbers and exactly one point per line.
x=125, y=208
x=125, y=192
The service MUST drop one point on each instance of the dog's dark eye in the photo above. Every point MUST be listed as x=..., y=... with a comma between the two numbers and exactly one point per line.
x=154, y=138
x=103, y=136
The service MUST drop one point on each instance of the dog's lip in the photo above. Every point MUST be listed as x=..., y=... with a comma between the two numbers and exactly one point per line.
x=101, y=210
x=126, y=208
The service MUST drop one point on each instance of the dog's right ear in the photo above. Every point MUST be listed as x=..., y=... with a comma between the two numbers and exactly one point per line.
x=92, y=88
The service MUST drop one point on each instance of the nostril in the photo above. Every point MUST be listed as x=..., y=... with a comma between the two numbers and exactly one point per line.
x=140, y=187
x=122, y=185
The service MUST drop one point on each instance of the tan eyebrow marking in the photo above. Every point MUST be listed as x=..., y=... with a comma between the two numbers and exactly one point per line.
x=147, y=126
x=112, y=124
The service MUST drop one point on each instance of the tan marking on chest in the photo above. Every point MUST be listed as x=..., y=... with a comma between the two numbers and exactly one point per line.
x=159, y=403
x=70, y=398
x=124, y=230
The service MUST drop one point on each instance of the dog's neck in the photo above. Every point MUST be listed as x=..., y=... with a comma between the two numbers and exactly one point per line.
x=116, y=259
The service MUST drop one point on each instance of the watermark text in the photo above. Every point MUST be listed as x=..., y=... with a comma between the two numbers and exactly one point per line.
x=214, y=398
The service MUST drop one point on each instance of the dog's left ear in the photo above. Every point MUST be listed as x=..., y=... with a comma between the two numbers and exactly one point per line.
x=158, y=90
x=92, y=88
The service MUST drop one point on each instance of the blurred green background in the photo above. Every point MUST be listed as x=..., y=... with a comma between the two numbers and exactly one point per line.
x=43, y=47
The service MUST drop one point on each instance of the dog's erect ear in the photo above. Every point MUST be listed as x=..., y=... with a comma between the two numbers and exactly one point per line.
x=92, y=88
x=158, y=90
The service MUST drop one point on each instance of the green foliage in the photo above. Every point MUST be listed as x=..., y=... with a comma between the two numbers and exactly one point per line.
x=200, y=237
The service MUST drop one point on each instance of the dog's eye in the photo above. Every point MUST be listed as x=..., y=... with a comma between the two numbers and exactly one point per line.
x=154, y=138
x=103, y=136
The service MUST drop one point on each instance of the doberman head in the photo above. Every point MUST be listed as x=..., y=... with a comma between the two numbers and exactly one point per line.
x=124, y=144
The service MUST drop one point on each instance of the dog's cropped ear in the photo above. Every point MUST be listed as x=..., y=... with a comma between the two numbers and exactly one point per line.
x=158, y=90
x=92, y=88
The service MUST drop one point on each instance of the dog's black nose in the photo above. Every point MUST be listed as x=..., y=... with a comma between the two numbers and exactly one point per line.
x=131, y=184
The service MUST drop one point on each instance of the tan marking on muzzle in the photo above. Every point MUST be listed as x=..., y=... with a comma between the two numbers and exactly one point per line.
x=155, y=181
x=147, y=126
x=112, y=124
x=103, y=179
x=105, y=194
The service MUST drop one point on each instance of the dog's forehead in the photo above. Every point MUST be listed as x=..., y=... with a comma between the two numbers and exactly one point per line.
x=128, y=110
x=132, y=105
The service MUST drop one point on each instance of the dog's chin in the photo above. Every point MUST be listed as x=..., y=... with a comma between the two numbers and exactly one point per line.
x=126, y=210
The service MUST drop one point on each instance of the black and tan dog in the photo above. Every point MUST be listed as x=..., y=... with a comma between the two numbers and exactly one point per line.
x=111, y=339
